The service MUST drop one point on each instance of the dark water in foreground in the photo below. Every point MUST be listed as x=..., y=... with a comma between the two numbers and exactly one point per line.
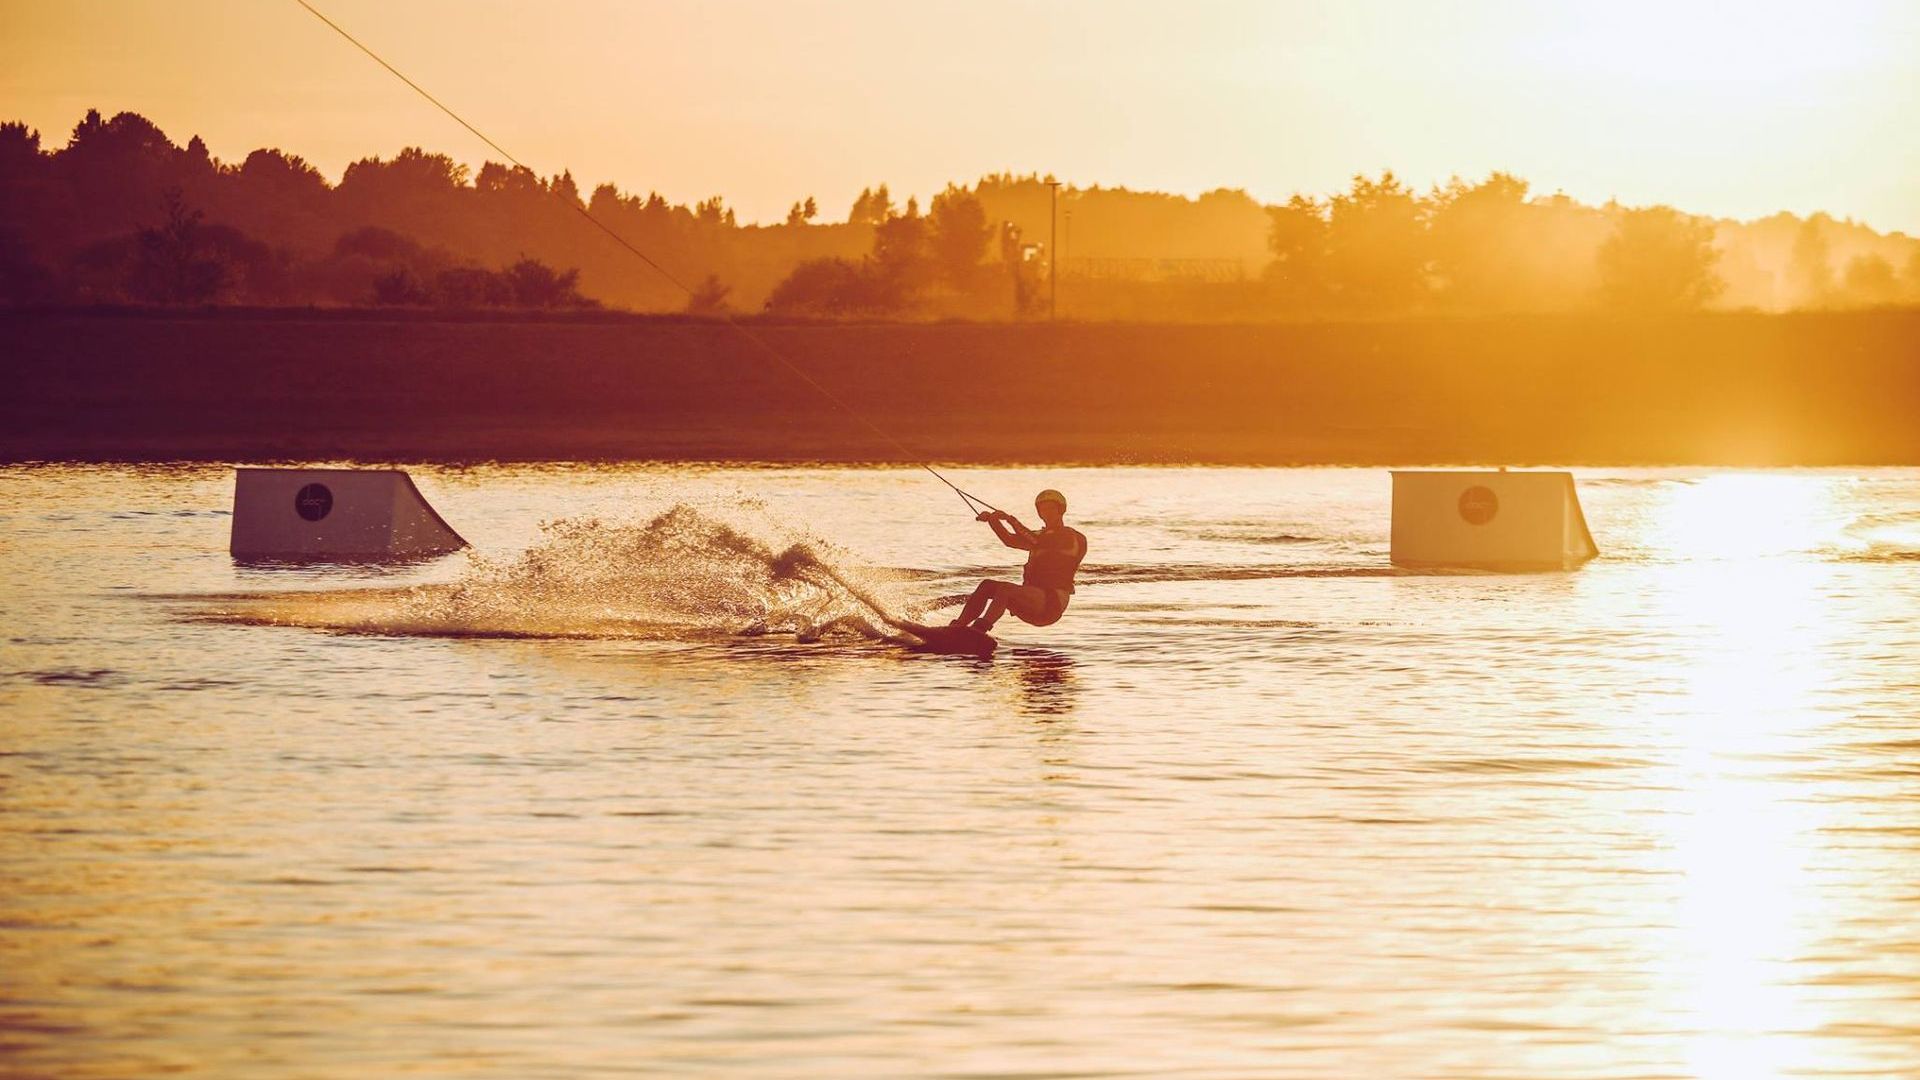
x=1256, y=807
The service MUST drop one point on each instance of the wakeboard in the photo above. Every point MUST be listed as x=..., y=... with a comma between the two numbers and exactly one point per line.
x=955, y=640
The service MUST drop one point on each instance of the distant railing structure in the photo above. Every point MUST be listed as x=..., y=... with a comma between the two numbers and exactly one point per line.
x=1099, y=268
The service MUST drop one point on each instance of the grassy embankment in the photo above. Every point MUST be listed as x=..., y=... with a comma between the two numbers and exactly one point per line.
x=1808, y=389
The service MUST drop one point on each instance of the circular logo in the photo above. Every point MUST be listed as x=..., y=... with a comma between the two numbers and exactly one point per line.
x=1478, y=505
x=313, y=502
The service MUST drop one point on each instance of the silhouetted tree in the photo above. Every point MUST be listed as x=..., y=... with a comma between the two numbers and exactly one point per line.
x=872, y=207
x=1812, y=268
x=256, y=272
x=1376, y=246
x=411, y=166
x=421, y=192
x=199, y=159
x=19, y=148
x=23, y=280
x=902, y=265
x=958, y=235
x=172, y=264
x=270, y=171
x=276, y=196
x=1871, y=281
x=1297, y=237
x=1658, y=259
x=114, y=170
x=829, y=287
x=1479, y=236
x=709, y=298
x=537, y=285
x=497, y=179
x=399, y=288
x=465, y=287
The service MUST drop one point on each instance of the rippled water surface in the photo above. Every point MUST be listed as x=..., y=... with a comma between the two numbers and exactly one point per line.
x=604, y=797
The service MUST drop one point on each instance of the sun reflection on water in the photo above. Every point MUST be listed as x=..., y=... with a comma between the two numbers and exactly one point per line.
x=1745, y=516
x=1742, y=828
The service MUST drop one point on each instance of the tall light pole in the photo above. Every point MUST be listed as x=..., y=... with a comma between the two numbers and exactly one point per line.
x=1053, y=250
x=1066, y=239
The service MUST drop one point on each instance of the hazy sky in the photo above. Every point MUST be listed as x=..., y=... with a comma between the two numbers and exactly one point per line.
x=1738, y=109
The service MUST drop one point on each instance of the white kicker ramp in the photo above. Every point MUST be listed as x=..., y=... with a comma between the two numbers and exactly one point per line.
x=1489, y=520
x=334, y=514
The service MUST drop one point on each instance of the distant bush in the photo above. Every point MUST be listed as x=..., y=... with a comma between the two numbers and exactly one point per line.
x=471, y=287
x=831, y=287
x=709, y=297
x=527, y=284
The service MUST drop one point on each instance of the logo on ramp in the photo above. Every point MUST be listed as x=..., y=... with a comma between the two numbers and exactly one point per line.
x=1478, y=505
x=313, y=502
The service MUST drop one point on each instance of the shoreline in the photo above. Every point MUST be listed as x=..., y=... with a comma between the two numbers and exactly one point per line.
x=1720, y=389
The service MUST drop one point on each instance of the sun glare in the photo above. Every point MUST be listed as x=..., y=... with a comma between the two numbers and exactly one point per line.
x=1742, y=825
x=1745, y=516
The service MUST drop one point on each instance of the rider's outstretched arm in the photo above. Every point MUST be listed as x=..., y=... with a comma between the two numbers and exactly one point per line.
x=1009, y=530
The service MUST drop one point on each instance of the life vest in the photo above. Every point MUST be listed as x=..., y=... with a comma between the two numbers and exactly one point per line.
x=1055, y=556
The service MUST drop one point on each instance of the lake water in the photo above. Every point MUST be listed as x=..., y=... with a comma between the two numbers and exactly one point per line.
x=1258, y=806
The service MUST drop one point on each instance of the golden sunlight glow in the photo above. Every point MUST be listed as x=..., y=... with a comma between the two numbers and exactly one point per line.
x=1743, y=822
x=1742, y=835
x=1738, y=111
x=1744, y=516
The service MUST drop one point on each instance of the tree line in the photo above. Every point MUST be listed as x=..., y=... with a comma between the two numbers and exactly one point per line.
x=1381, y=247
x=120, y=213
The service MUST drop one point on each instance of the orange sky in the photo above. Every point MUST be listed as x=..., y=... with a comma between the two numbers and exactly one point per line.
x=1732, y=109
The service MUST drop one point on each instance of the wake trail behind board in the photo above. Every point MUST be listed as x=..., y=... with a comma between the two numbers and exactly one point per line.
x=682, y=575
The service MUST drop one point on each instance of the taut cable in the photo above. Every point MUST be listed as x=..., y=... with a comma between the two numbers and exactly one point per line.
x=746, y=331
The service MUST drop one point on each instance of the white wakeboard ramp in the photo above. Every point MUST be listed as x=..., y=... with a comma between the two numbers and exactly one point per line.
x=1488, y=520
x=334, y=514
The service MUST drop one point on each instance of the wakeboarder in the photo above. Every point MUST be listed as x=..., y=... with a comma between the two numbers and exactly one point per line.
x=1054, y=553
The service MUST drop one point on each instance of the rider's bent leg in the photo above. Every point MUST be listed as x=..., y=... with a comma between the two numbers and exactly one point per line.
x=994, y=610
x=983, y=594
x=1024, y=600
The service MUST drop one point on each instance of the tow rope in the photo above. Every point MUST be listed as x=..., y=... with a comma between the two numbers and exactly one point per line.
x=974, y=503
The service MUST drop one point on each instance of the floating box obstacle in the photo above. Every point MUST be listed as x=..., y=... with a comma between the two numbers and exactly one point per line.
x=1489, y=520
x=334, y=514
